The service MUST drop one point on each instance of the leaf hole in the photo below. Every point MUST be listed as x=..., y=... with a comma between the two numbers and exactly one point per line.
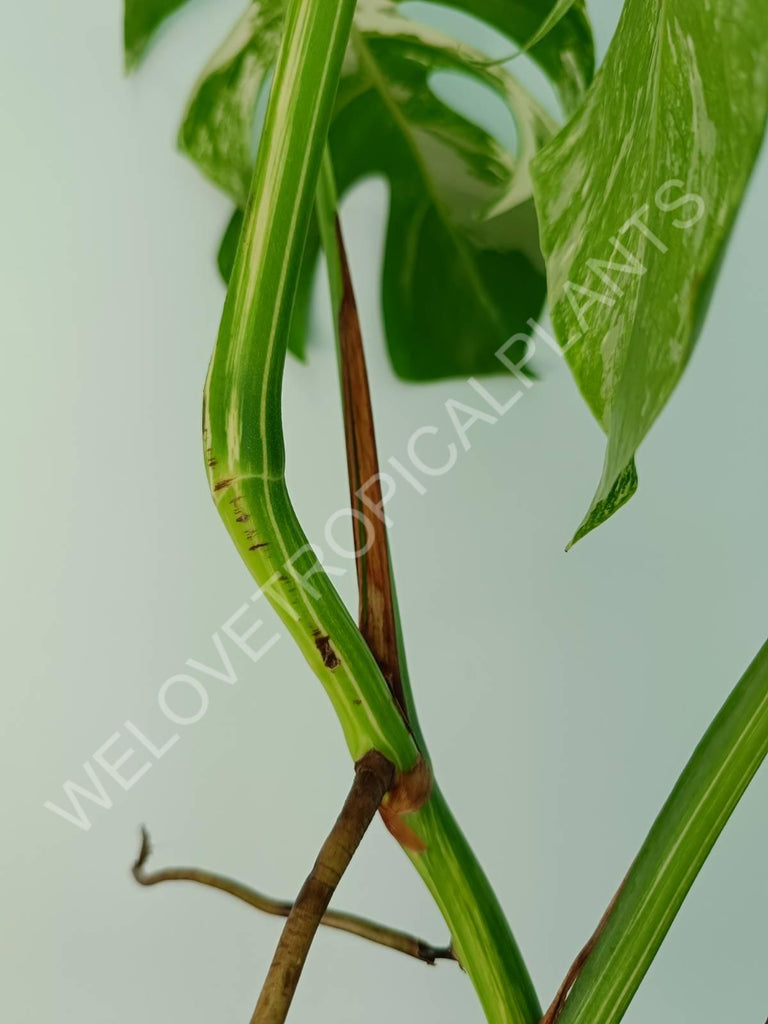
x=490, y=41
x=479, y=104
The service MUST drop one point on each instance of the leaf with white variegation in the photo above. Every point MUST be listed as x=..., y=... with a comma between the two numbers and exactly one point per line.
x=217, y=130
x=551, y=22
x=636, y=198
x=462, y=269
x=557, y=36
x=141, y=19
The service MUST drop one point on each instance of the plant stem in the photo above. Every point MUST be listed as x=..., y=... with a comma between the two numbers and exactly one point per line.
x=373, y=777
x=557, y=1004
x=242, y=420
x=480, y=933
x=376, y=618
x=681, y=839
x=245, y=456
x=391, y=938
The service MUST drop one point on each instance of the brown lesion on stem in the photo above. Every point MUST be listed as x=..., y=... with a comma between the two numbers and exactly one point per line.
x=391, y=938
x=377, y=619
x=327, y=653
x=377, y=616
x=556, y=1007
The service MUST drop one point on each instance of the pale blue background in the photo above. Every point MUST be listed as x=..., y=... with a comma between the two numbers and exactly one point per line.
x=561, y=694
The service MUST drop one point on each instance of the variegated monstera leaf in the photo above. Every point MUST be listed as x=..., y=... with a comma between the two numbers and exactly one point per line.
x=462, y=267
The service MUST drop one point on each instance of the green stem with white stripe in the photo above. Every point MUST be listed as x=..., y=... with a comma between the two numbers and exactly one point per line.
x=713, y=782
x=245, y=456
x=243, y=430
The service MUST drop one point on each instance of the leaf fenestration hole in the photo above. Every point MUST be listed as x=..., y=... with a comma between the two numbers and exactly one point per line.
x=479, y=104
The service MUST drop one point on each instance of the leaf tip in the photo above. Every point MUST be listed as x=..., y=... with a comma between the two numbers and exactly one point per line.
x=608, y=499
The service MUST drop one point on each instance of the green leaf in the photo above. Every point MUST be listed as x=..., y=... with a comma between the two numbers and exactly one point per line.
x=636, y=198
x=560, y=41
x=218, y=125
x=551, y=21
x=462, y=269
x=217, y=128
x=677, y=846
x=141, y=19
x=562, y=44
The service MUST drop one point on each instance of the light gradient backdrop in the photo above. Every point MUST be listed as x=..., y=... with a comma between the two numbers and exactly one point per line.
x=561, y=694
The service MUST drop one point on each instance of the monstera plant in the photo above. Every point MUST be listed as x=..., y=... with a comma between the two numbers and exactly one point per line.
x=617, y=214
